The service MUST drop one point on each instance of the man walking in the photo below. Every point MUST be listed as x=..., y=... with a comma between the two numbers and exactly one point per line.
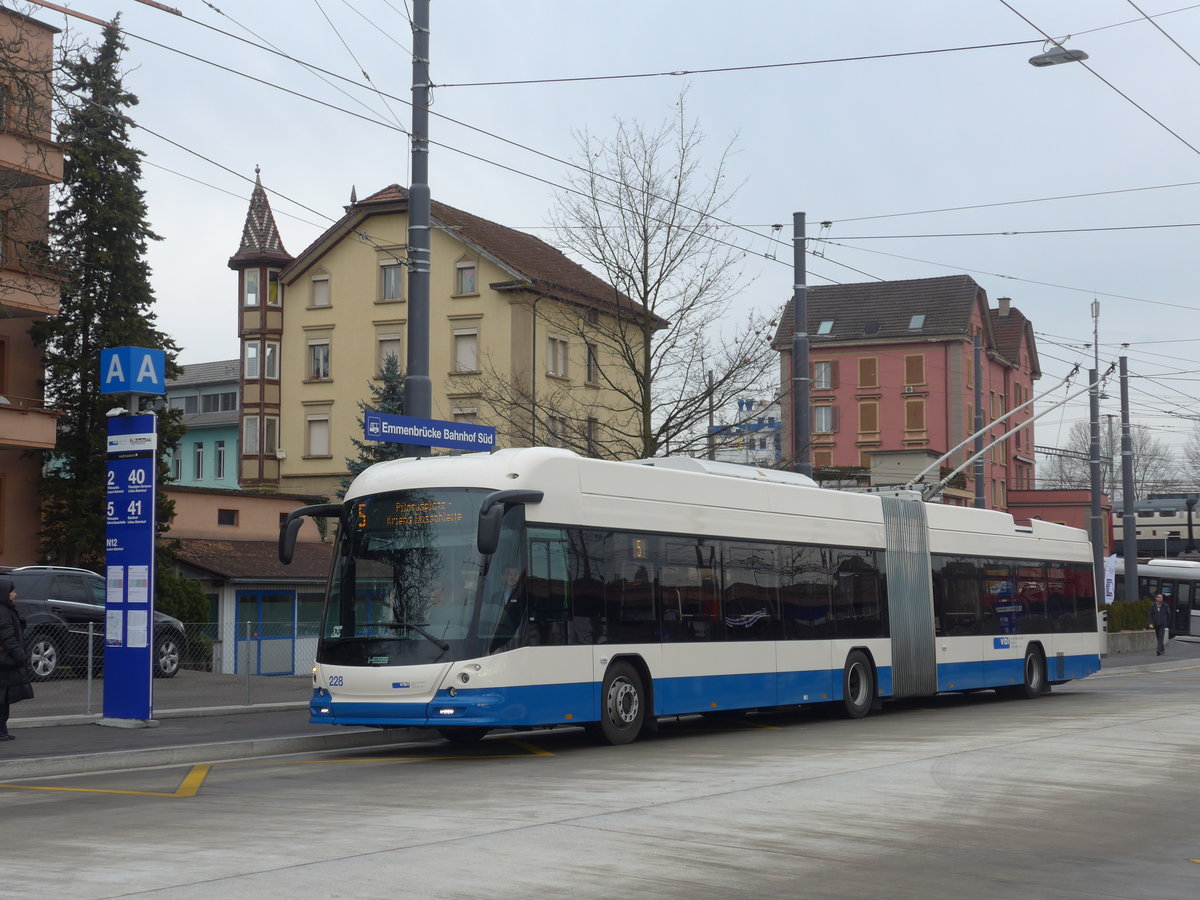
x=1160, y=621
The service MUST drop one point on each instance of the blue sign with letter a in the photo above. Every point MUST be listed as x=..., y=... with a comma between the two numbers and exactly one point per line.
x=133, y=370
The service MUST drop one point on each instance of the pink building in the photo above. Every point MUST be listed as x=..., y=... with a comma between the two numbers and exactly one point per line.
x=892, y=367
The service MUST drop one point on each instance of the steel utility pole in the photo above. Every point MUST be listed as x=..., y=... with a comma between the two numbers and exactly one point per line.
x=980, y=493
x=801, y=383
x=418, y=391
x=1096, y=529
x=1128, y=516
x=1097, y=526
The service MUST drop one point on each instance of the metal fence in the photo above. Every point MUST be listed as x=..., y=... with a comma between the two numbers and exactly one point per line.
x=208, y=665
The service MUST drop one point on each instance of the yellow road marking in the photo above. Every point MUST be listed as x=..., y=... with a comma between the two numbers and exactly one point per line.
x=531, y=752
x=187, y=788
x=190, y=785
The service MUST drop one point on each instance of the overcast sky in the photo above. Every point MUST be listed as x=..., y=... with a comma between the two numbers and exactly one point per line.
x=840, y=141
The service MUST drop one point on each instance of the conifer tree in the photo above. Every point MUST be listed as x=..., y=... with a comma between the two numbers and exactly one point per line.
x=99, y=237
x=387, y=396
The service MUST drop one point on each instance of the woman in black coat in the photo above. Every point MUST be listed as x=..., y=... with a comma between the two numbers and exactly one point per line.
x=15, y=683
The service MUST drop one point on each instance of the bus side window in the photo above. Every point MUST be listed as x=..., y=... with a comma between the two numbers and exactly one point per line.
x=587, y=562
x=547, y=589
x=631, y=613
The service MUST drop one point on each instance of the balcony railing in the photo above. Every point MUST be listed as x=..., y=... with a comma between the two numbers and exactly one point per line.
x=26, y=423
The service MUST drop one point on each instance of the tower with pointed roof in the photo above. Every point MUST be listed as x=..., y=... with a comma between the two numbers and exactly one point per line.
x=258, y=261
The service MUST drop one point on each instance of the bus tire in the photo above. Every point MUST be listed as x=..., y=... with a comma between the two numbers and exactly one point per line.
x=1034, y=681
x=858, y=686
x=463, y=734
x=622, y=704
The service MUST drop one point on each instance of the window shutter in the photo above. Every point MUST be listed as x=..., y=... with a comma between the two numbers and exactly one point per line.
x=914, y=415
x=914, y=369
x=868, y=417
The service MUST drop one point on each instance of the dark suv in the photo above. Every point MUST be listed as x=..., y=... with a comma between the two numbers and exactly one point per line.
x=56, y=604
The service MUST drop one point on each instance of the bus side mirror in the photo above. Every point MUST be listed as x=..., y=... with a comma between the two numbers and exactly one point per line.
x=488, y=538
x=491, y=511
x=291, y=526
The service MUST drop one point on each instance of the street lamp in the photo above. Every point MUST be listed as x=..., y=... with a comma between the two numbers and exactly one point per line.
x=1056, y=56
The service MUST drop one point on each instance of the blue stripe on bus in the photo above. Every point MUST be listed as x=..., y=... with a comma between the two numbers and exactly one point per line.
x=992, y=673
x=564, y=704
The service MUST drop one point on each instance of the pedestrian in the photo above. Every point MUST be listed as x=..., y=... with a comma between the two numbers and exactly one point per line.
x=15, y=683
x=1160, y=621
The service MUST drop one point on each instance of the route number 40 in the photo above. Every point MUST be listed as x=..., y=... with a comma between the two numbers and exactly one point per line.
x=136, y=476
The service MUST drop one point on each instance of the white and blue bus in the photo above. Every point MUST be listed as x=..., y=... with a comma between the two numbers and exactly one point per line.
x=1178, y=580
x=534, y=587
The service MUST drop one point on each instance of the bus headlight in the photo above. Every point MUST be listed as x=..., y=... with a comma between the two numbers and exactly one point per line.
x=314, y=674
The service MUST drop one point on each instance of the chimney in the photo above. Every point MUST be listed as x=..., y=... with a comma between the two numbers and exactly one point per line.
x=1004, y=304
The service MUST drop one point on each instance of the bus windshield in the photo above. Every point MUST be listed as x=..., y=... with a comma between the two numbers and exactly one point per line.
x=405, y=579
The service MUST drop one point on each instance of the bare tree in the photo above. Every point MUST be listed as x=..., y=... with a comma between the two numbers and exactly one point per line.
x=1155, y=467
x=642, y=213
x=1191, y=456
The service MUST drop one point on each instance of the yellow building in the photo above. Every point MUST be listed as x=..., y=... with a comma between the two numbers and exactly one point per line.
x=520, y=338
x=30, y=161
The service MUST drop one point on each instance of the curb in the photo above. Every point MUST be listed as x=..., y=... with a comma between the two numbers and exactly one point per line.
x=84, y=763
x=1164, y=666
x=191, y=713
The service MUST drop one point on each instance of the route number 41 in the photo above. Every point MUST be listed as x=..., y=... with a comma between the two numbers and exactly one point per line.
x=133, y=510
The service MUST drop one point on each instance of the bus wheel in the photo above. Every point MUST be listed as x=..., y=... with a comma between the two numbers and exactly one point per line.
x=1034, y=680
x=858, y=686
x=463, y=735
x=623, y=704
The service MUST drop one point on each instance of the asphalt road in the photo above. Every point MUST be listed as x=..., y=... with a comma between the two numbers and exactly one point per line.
x=1088, y=792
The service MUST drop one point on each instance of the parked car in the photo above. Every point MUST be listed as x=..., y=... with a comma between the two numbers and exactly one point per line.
x=56, y=604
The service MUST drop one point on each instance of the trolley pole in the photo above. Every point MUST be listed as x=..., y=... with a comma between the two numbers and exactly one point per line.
x=801, y=383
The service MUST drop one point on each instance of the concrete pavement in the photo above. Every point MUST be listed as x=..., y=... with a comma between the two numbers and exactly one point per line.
x=187, y=729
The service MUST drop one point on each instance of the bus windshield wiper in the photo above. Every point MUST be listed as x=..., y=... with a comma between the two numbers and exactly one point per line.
x=442, y=645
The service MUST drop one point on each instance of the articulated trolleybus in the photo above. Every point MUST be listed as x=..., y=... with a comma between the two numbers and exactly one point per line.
x=533, y=587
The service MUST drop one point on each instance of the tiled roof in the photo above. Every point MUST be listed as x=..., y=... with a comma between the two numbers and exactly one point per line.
x=255, y=560
x=260, y=237
x=1010, y=331
x=208, y=373
x=534, y=264
x=884, y=310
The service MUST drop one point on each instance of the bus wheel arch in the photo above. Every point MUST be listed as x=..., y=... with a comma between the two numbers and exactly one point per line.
x=626, y=701
x=859, y=684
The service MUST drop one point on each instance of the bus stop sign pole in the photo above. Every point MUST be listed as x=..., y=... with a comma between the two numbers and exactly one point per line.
x=131, y=486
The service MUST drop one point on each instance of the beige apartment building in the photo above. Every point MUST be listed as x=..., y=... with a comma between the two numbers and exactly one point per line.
x=519, y=338
x=30, y=162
